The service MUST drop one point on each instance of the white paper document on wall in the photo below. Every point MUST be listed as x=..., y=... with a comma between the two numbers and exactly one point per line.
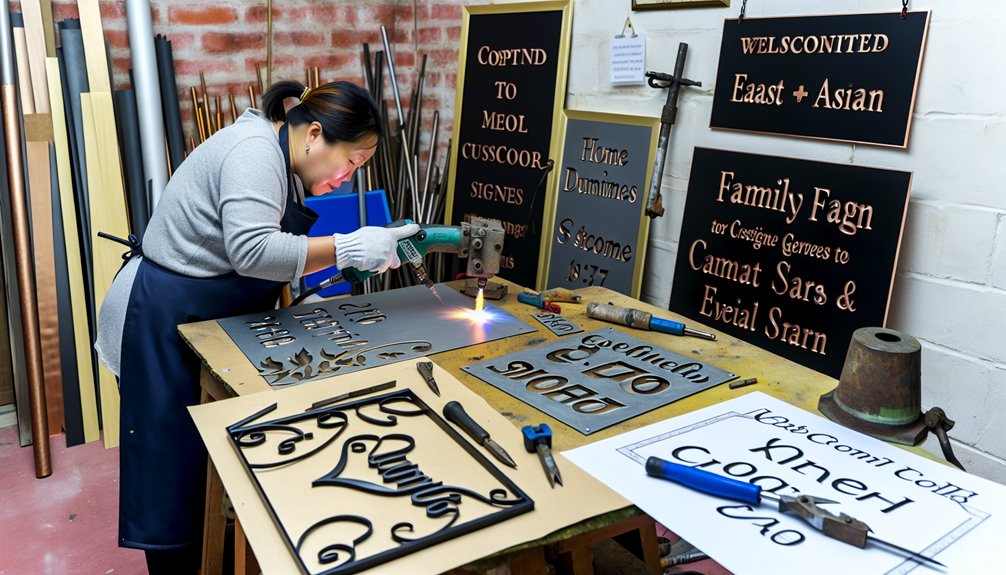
x=919, y=504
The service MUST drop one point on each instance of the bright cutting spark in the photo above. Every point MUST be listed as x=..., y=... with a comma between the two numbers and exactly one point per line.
x=478, y=316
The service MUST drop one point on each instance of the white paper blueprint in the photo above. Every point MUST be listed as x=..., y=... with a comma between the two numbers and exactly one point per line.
x=920, y=504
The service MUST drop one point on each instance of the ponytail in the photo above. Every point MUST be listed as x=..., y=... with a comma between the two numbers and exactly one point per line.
x=345, y=111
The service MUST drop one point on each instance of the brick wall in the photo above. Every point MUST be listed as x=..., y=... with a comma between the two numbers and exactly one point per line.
x=226, y=40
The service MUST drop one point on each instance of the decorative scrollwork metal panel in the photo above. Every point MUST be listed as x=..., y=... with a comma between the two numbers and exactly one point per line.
x=358, y=484
x=598, y=379
x=297, y=344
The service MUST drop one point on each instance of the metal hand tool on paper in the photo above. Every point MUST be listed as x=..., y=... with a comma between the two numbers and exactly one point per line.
x=455, y=413
x=538, y=438
x=479, y=240
x=425, y=369
x=640, y=319
x=841, y=527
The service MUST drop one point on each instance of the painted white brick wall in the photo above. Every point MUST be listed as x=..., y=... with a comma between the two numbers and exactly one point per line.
x=950, y=290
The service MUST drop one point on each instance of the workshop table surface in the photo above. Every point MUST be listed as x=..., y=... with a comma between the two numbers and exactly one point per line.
x=227, y=373
x=233, y=374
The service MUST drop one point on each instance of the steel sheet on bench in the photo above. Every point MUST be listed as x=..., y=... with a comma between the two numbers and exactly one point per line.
x=597, y=379
x=297, y=344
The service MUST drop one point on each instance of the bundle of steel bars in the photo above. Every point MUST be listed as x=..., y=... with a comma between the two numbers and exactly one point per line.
x=413, y=192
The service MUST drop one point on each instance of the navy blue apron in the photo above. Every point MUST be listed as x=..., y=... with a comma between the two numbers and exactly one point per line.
x=162, y=459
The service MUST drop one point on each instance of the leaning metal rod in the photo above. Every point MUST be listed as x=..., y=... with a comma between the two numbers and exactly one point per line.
x=268, y=46
x=22, y=240
x=398, y=108
x=654, y=207
x=425, y=198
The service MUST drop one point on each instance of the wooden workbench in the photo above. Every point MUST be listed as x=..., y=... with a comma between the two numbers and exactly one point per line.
x=227, y=373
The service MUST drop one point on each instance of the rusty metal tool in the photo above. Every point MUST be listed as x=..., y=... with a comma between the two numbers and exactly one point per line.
x=743, y=382
x=426, y=370
x=640, y=319
x=559, y=295
x=352, y=394
x=841, y=527
x=493, y=290
x=538, y=438
x=455, y=413
x=654, y=205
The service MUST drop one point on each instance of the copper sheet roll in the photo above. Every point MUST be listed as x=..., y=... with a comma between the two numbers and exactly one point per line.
x=44, y=253
x=25, y=280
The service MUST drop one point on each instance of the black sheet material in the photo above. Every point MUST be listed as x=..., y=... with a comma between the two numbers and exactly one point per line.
x=132, y=160
x=73, y=420
x=169, y=101
x=74, y=76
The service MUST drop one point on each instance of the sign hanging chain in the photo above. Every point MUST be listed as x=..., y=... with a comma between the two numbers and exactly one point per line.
x=744, y=7
x=904, y=9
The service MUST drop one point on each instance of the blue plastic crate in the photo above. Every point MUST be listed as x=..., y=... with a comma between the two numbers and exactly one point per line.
x=340, y=214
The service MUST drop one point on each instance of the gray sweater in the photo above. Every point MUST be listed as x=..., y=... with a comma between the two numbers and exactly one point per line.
x=220, y=212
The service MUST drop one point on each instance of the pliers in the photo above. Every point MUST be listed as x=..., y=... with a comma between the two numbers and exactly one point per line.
x=841, y=527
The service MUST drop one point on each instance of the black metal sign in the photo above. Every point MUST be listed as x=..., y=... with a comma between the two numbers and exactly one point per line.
x=849, y=77
x=327, y=477
x=790, y=255
x=598, y=234
x=511, y=86
x=297, y=344
x=598, y=379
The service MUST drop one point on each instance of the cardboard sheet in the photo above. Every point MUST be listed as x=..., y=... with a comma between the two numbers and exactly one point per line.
x=581, y=498
x=916, y=503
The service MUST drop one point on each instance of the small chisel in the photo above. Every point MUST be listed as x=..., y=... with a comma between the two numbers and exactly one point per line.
x=455, y=413
x=640, y=319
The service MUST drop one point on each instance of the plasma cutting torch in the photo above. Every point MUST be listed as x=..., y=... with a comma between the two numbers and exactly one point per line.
x=478, y=239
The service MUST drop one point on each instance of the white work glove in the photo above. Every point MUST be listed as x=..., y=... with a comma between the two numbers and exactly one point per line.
x=371, y=248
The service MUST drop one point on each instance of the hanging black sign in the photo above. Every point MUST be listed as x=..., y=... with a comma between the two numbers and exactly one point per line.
x=789, y=255
x=511, y=83
x=850, y=77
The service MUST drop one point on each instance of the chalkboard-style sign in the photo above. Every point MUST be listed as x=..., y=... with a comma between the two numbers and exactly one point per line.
x=850, y=77
x=511, y=88
x=599, y=231
x=789, y=255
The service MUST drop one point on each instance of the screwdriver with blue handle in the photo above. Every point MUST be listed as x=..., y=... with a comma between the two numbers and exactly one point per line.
x=640, y=319
x=841, y=527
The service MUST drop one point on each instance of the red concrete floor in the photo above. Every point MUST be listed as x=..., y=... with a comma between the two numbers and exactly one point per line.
x=67, y=523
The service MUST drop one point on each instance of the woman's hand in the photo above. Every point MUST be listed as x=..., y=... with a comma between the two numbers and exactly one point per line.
x=371, y=248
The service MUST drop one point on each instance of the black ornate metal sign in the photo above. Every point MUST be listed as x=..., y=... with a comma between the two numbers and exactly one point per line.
x=599, y=378
x=353, y=485
x=789, y=255
x=849, y=77
x=297, y=344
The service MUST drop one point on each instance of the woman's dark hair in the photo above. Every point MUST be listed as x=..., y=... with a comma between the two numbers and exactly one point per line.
x=345, y=111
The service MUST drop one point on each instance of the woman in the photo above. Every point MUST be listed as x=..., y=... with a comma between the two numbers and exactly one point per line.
x=228, y=233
